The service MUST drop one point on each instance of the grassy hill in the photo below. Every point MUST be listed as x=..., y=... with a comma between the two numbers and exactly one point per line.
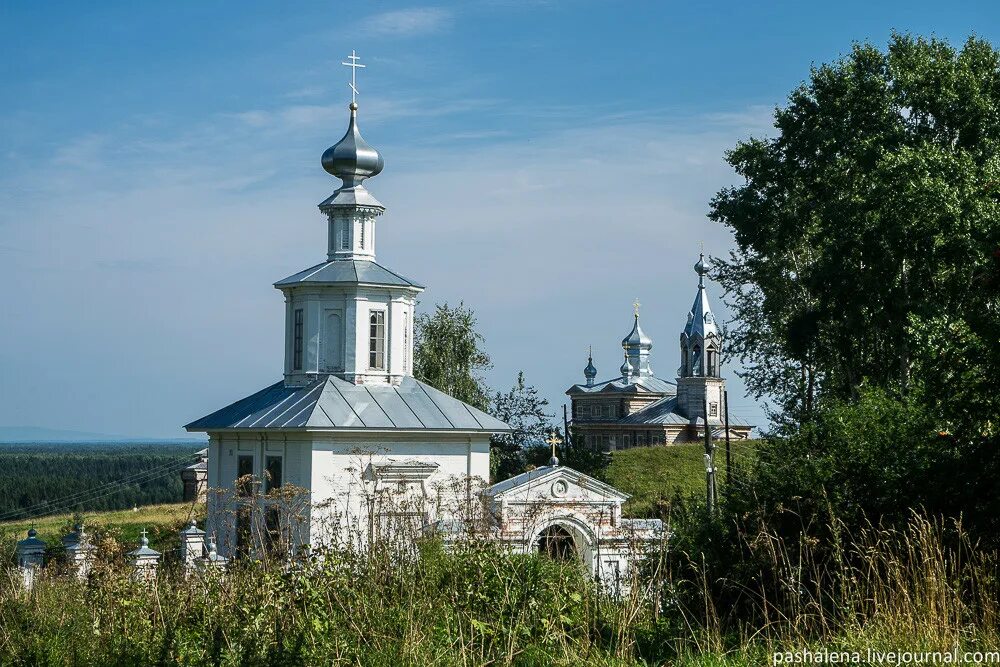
x=652, y=473
x=160, y=521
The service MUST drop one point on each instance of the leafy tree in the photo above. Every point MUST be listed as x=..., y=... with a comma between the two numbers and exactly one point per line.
x=874, y=206
x=525, y=411
x=448, y=354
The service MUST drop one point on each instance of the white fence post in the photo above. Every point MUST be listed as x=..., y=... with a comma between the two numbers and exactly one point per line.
x=192, y=546
x=213, y=560
x=79, y=551
x=144, y=560
x=30, y=556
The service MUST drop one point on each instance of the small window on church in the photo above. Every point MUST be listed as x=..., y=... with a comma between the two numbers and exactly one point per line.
x=244, y=475
x=363, y=234
x=713, y=409
x=376, y=340
x=345, y=235
x=297, y=341
x=272, y=473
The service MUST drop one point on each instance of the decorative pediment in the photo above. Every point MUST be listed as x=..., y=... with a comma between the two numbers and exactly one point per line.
x=555, y=484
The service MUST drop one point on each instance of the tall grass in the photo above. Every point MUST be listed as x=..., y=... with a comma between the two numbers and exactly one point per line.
x=921, y=586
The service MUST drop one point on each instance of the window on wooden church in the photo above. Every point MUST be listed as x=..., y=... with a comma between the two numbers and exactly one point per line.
x=297, y=341
x=345, y=235
x=376, y=340
x=363, y=234
x=713, y=409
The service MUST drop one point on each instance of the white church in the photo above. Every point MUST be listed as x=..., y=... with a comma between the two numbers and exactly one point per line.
x=372, y=451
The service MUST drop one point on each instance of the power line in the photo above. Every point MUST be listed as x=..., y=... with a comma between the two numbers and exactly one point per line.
x=82, y=496
x=59, y=509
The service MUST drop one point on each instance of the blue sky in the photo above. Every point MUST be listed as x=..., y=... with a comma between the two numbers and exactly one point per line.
x=546, y=162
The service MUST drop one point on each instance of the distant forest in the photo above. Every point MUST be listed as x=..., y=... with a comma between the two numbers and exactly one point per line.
x=41, y=479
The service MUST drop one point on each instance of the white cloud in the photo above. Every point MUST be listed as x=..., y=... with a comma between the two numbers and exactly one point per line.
x=409, y=22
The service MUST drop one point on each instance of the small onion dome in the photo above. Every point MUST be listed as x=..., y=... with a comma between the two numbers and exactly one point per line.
x=637, y=338
x=626, y=368
x=590, y=372
x=700, y=267
x=351, y=159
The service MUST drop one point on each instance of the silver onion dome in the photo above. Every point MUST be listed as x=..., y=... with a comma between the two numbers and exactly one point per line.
x=351, y=159
x=590, y=372
x=700, y=268
x=637, y=338
x=626, y=368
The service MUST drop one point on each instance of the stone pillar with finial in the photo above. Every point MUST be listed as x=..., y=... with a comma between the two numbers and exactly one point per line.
x=144, y=561
x=212, y=560
x=30, y=557
x=79, y=551
x=192, y=545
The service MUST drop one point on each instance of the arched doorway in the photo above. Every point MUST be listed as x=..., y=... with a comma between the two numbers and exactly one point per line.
x=556, y=542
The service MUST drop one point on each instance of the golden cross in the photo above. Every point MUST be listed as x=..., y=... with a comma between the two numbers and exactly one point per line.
x=553, y=440
x=635, y=306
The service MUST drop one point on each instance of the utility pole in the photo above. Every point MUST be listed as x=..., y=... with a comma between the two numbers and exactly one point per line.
x=709, y=460
x=566, y=441
x=729, y=460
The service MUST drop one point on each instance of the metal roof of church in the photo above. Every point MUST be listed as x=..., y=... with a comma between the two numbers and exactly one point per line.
x=644, y=383
x=664, y=411
x=334, y=403
x=351, y=271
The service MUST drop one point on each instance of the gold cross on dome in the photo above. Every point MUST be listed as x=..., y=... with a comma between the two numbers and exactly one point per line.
x=635, y=306
x=354, y=65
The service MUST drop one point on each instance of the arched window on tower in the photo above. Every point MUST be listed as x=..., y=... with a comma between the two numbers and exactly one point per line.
x=712, y=362
x=685, y=362
x=696, y=361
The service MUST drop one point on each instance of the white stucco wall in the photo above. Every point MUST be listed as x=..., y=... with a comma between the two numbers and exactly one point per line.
x=335, y=471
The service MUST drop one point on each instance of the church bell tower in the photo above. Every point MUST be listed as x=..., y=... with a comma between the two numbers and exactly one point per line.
x=349, y=316
x=699, y=382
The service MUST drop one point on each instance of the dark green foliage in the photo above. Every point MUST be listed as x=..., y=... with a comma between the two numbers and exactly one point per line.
x=37, y=479
x=866, y=287
x=875, y=204
x=869, y=459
